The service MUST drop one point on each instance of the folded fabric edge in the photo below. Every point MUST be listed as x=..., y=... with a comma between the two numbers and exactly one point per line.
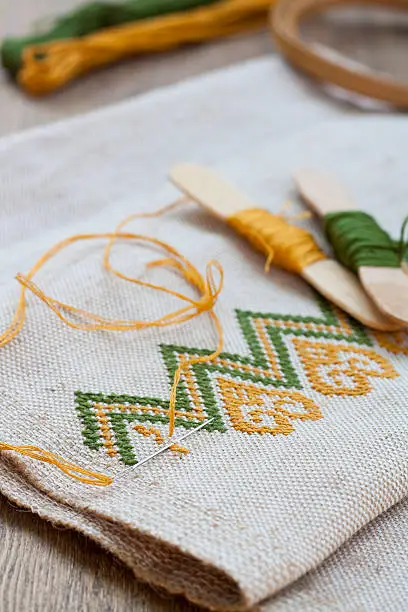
x=19, y=492
x=156, y=563
x=194, y=559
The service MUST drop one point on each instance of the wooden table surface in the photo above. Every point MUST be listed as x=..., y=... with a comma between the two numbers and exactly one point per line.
x=54, y=570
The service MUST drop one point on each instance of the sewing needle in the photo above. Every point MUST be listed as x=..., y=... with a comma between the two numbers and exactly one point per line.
x=161, y=450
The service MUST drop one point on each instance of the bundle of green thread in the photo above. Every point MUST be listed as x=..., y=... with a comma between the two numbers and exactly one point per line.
x=91, y=18
x=358, y=240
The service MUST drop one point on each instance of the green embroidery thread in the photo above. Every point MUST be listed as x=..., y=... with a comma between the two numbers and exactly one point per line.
x=106, y=419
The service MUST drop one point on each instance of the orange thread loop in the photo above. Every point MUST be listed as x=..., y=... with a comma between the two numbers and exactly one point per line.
x=72, y=470
x=208, y=288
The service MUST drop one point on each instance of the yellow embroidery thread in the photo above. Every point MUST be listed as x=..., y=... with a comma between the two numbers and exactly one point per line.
x=396, y=342
x=340, y=369
x=48, y=66
x=333, y=351
x=70, y=469
x=207, y=288
x=288, y=246
x=330, y=367
x=159, y=439
x=260, y=403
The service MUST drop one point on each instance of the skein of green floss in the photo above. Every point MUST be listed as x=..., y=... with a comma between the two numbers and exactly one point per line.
x=358, y=240
x=90, y=18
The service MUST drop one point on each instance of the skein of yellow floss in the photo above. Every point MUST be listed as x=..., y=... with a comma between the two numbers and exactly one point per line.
x=47, y=67
x=287, y=246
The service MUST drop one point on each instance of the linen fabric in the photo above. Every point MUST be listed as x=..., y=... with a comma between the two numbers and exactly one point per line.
x=250, y=510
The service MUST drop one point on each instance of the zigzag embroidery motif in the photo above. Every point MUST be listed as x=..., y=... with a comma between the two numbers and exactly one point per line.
x=255, y=394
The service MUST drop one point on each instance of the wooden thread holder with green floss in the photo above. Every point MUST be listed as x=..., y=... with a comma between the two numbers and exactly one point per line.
x=286, y=245
x=359, y=243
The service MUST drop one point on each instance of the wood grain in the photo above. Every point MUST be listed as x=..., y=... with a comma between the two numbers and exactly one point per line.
x=49, y=570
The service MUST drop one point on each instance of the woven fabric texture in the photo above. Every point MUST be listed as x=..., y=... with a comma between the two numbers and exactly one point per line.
x=249, y=511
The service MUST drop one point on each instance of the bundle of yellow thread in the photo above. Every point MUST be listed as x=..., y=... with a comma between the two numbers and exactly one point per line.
x=43, y=64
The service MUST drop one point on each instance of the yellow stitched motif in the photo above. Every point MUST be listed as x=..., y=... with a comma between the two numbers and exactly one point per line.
x=261, y=324
x=253, y=409
x=104, y=427
x=149, y=431
x=274, y=370
x=343, y=327
x=194, y=393
x=257, y=392
x=396, y=343
x=158, y=437
x=153, y=410
x=261, y=329
x=340, y=369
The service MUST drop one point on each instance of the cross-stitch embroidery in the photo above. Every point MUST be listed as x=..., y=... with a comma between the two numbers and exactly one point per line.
x=255, y=394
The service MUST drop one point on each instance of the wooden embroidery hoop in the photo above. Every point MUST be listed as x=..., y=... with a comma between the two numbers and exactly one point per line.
x=285, y=21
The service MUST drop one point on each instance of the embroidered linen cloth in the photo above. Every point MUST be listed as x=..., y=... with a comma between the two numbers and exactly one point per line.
x=250, y=510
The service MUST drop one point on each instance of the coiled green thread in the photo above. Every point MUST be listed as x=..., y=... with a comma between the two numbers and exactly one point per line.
x=358, y=240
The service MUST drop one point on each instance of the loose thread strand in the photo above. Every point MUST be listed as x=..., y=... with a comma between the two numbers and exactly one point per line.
x=208, y=288
x=210, y=293
x=71, y=469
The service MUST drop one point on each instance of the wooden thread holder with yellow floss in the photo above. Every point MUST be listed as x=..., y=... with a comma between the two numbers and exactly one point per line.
x=376, y=260
x=285, y=245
